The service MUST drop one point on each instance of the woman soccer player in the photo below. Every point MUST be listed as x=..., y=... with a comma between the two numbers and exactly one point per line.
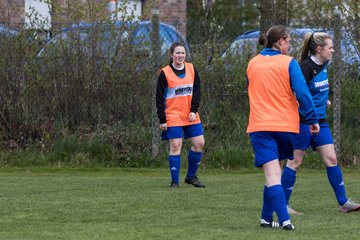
x=177, y=101
x=317, y=50
x=276, y=84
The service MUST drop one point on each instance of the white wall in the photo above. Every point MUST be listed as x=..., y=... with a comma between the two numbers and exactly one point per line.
x=132, y=7
x=37, y=14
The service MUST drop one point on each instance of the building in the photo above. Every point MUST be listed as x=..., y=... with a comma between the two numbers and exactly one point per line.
x=18, y=13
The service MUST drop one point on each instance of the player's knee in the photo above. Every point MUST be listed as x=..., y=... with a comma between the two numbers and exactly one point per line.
x=198, y=147
x=175, y=149
x=295, y=164
x=331, y=160
x=198, y=144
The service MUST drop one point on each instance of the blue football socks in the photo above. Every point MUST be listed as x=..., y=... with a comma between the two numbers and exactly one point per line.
x=336, y=180
x=194, y=159
x=267, y=209
x=288, y=179
x=277, y=197
x=174, y=165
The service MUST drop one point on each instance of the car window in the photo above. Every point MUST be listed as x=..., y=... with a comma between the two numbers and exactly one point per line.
x=67, y=42
x=168, y=36
x=246, y=48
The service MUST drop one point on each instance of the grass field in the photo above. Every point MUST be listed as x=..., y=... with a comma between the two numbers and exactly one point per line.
x=137, y=204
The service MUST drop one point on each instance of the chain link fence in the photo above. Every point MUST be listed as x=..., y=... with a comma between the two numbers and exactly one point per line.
x=79, y=90
x=229, y=60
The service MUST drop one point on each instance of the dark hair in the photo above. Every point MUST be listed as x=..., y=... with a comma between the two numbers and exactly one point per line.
x=172, y=49
x=275, y=33
x=310, y=42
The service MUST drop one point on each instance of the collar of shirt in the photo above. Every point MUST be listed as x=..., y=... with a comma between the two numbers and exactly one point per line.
x=269, y=52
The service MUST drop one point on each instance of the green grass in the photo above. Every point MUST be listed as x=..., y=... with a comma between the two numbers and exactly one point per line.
x=38, y=203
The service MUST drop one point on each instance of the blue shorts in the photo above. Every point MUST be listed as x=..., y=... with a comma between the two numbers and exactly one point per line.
x=182, y=131
x=304, y=139
x=269, y=146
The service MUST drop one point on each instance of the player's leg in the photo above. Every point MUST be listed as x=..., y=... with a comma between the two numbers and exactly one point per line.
x=335, y=177
x=288, y=177
x=175, y=160
x=267, y=212
x=324, y=144
x=266, y=151
x=275, y=193
x=174, y=135
x=195, y=133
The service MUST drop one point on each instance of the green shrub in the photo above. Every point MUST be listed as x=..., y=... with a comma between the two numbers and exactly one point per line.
x=77, y=110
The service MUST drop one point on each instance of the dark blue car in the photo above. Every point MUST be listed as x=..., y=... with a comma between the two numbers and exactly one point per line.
x=113, y=42
x=245, y=46
x=7, y=32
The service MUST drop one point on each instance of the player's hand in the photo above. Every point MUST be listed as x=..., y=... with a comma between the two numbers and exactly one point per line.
x=192, y=117
x=314, y=128
x=163, y=126
x=328, y=103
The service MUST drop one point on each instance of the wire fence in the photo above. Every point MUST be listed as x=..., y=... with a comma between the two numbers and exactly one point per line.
x=78, y=88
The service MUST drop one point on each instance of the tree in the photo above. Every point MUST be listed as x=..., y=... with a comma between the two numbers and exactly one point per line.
x=272, y=12
x=232, y=17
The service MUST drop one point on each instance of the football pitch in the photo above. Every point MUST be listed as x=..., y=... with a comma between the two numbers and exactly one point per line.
x=127, y=204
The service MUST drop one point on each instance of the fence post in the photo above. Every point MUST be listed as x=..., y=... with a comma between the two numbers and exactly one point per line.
x=337, y=60
x=155, y=40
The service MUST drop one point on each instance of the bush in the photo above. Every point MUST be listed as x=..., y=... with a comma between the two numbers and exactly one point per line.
x=77, y=111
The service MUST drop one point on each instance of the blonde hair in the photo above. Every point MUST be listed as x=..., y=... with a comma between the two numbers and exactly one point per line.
x=310, y=42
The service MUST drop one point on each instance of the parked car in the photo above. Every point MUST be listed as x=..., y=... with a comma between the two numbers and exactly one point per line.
x=245, y=46
x=112, y=42
x=5, y=31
